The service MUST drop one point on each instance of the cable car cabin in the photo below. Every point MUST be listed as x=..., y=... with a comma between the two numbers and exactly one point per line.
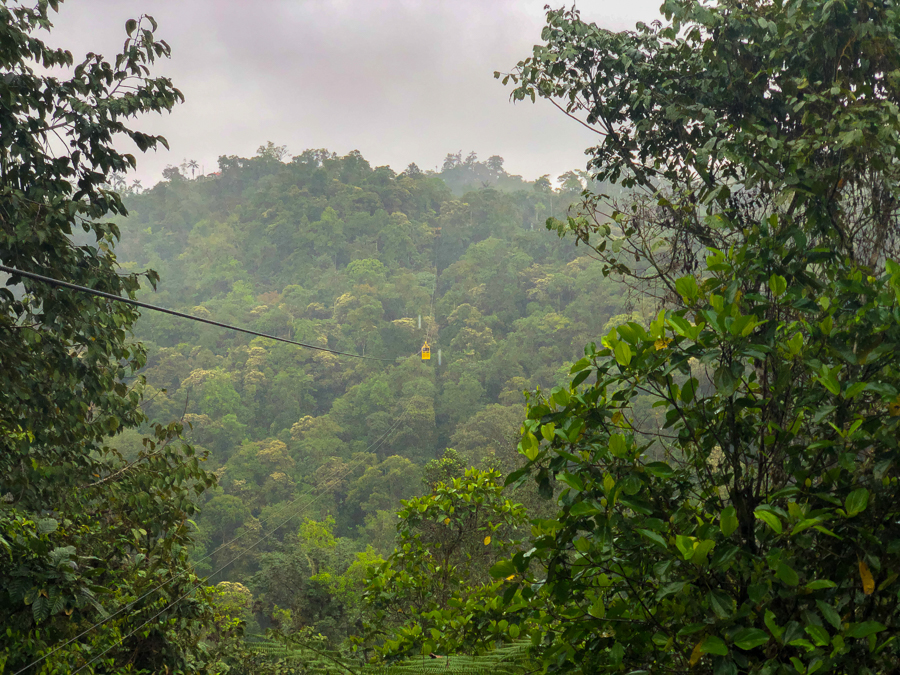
x=426, y=352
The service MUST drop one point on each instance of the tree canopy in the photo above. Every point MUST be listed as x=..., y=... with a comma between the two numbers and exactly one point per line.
x=708, y=452
x=85, y=535
x=746, y=525
x=747, y=108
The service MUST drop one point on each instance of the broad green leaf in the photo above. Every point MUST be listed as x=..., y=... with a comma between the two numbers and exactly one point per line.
x=772, y=625
x=744, y=325
x=617, y=652
x=725, y=382
x=622, y=353
x=617, y=445
x=787, y=574
x=728, y=521
x=829, y=613
x=670, y=589
x=573, y=480
x=769, y=519
x=637, y=505
x=687, y=287
x=46, y=525
x=679, y=324
x=795, y=344
x=685, y=545
x=548, y=430
x=865, y=629
x=856, y=501
x=560, y=396
x=818, y=634
x=583, y=509
x=714, y=645
x=654, y=537
x=777, y=284
x=701, y=551
x=659, y=469
x=580, y=365
x=689, y=390
x=503, y=569
x=608, y=483
x=750, y=638
x=855, y=389
x=805, y=524
x=828, y=378
x=529, y=445
x=40, y=609
x=802, y=642
x=580, y=377
x=722, y=604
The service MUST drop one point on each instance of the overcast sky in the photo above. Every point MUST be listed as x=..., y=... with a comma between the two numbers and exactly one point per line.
x=399, y=80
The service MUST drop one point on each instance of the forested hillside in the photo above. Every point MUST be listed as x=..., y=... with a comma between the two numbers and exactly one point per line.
x=668, y=444
x=332, y=252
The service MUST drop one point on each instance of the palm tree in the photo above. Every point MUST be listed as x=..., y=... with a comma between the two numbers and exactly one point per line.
x=193, y=166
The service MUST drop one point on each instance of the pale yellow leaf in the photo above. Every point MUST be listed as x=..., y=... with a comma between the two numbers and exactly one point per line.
x=868, y=581
x=696, y=654
x=894, y=408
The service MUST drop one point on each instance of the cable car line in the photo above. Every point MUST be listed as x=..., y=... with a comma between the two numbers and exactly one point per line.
x=425, y=351
x=331, y=480
x=181, y=315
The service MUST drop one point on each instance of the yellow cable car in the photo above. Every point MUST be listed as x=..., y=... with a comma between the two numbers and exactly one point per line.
x=426, y=352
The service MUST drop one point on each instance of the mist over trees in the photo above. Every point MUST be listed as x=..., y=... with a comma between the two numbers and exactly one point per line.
x=657, y=431
x=331, y=251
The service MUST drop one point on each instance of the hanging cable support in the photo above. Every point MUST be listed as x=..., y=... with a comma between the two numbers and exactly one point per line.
x=136, y=303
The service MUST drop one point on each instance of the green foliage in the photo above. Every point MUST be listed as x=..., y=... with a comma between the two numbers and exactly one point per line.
x=314, y=583
x=752, y=108
x=86, y=534
x=446, y=543
x=328, y=250
x=780, y=478
x=444, y=469
x=745, y=522
x=505, y=660
x=320, y=248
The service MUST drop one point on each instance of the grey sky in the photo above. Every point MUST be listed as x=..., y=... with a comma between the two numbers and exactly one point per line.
x=400, y=80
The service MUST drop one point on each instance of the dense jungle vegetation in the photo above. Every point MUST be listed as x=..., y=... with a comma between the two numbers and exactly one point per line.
x=701, y=476
x=330, y=251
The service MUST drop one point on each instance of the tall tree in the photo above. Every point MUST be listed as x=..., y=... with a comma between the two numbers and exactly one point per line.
x=744, y=108
x=83, y=534
x=754, y=528
x=446, y=542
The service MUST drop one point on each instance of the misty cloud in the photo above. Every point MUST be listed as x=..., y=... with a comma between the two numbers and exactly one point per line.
x=400, y=80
